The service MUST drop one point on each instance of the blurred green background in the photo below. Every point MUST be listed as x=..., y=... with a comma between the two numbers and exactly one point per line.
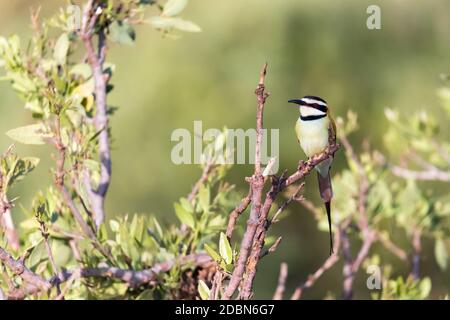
x=313, y=47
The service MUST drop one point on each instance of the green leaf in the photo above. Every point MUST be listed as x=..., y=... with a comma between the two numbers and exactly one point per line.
x=174, y=7
x=425, y=287
x=145, y=295
x=212, y=253
x=38, y=254
x=82, y=69
x=203, y=290
x=21, y=168
x=32, y=134
x=185, y=25
x=186, y=205
x=440, y=253
x=158, y=228
x=225, y=249
x=184, y=216
x=122, y=32
x=114, y=225
x=167, y=23
x=22, y=82
x=61, y=49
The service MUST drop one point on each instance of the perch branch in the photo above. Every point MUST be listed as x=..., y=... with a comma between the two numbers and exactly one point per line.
x=257, y=185
x=278, y=185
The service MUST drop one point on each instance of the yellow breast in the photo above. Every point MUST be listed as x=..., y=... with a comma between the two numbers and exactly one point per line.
x=312, y=135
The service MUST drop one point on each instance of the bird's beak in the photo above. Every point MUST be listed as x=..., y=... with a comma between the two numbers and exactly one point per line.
x=296, y=101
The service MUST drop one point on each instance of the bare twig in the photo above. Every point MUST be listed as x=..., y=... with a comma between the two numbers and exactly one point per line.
x=216, y=285
x=427, y=171
x=59, y=182
x=417, y=249
x=45, y=235
x=261, y=96
x=347, y=270
x=369, y=236
x=257, y=184
x=96, y=60
x=279, y=292
x=75, y=275
x=392, y=247
x=236, y=212
x=203, y=178
x=426, y=175
x=294, y=196
x=272, y=248
x=19, y=269
x=134, y=278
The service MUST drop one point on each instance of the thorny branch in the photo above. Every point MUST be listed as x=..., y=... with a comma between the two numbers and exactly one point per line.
x=134, y=278
x=257, y=185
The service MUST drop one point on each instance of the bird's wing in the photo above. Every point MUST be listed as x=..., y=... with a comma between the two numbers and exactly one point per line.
x=332, y=128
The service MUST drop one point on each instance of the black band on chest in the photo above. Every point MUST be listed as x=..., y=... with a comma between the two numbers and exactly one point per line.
x=310, y=118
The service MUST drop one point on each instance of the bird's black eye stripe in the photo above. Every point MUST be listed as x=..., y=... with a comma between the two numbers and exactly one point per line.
x=318, y=107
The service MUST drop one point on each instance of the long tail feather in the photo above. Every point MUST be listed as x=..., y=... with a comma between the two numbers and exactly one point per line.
x=326, y=193
x=327, y=206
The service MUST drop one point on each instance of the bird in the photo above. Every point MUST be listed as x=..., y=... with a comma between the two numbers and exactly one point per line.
x=313, y=129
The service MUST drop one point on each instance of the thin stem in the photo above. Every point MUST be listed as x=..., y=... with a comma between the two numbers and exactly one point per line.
x=203, y=179
x=417, y=249
x=281, y=286
x=237, y=212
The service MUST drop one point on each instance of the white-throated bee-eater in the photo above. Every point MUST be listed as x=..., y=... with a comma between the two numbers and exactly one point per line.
x=313, y=128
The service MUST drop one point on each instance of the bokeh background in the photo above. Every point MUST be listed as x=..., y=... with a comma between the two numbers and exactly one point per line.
x=313, y=47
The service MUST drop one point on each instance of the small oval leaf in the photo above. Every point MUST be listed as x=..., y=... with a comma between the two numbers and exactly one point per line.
x=32, y=134
x=203, y=290
x=174, y=7
x=225, y=249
